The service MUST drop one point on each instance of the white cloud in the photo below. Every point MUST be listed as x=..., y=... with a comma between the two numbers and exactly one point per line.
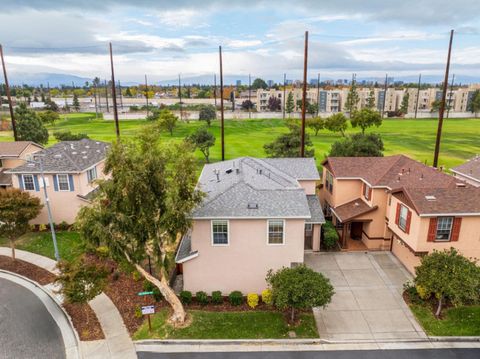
x=182, y=18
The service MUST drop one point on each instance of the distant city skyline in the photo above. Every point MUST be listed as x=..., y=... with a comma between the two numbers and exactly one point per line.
x=164, y=38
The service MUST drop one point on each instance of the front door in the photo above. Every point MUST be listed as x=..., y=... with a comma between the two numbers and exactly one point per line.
x=356, y=230
x=308, y=236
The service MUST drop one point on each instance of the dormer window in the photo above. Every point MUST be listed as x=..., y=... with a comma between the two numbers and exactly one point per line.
x=367, y=191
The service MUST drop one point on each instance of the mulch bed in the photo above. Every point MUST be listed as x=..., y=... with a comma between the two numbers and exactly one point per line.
x=227, y=307
x=26, y=269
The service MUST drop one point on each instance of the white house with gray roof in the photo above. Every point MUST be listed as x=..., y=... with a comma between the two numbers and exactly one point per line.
x=257, y=215
x=71, y=169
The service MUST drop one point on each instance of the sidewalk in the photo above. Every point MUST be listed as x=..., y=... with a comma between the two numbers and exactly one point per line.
x=117, y=342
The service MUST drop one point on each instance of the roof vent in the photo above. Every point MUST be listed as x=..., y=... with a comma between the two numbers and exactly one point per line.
x=57, y=156
x=356, y=204
x=84, y=152
x=252, y=205
x=217, y=173
x=229, y=171
x=30, y=164
x=84, y=157
x=461, y=184
x=87, y=146
x=74, y=153
x=430, y=198
x=237, y=170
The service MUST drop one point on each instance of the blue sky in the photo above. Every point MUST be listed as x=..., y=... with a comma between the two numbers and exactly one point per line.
x=163, y=38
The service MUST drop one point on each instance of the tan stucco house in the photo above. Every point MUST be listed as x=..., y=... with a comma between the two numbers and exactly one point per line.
x=71, y=169
x=14, y=154
x=398, y=204
x=258, y=214
x=469, y=171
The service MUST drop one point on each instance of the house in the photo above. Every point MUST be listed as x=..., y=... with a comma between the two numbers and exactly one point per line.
x=13, y=154
x=469, y=171
x=71, y=169
x=398, y=204
x=258, y=214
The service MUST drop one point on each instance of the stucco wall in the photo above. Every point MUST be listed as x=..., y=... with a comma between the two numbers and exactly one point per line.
x=404, y=255
x=308, y=186
x=15, y=162
x=244, y=263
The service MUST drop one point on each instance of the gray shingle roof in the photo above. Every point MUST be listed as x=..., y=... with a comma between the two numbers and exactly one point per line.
x=470, y=168
x=185, y=249
x=299, y=168
x=315, y=210
x=68, y=156
x=235, y=185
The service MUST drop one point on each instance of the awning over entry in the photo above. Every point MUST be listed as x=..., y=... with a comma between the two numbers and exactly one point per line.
x=350, y=210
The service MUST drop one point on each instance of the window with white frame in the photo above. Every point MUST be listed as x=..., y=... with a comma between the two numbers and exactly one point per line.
x=28, y=183
x=220, y=232
x=402, y=219
x=366, y=191
x=92, y=174
x=444, y=228
x=63, y=183
x=329, y=182
x=276, y=231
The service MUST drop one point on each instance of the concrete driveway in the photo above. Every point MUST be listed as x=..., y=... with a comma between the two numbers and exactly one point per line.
x=368, y=301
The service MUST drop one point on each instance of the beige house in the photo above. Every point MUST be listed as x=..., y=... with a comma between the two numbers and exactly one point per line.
x=71, y=169
x=14, y=154
x=398, y=204
x=258, y=214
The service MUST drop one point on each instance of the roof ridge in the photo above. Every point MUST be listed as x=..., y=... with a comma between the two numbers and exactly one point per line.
x=391, y=166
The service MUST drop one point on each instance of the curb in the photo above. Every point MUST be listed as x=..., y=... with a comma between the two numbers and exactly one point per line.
x=72, y=351
x=455, y=339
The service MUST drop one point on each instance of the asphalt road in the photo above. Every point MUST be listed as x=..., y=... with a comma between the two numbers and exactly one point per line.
x=27, y=329
x=350, y=354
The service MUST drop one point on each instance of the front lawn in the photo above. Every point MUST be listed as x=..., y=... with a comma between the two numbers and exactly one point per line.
x=70, y=244
x=461, y=321
x=229, y=325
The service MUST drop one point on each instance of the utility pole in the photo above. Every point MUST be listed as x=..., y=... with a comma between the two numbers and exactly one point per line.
x=120, y=93
x=221, y=103
x=106, y=95
x=180, y=96
x=215, y=89
x=114, y=96
x=250, y=104
x=284, y=92
x=9, y=97
x=418, y=94
x=385, y=94
x=304, y=96
x=318, y=93
x=146, y=92
x=442, y=104
x=95, y=98
x=450, y=96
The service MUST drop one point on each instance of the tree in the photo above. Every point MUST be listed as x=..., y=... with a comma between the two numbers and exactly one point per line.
x=30, y=126
x=288, y=144
x=259, y=84
x=299, y=288
x=366, y=118
x=274, y=104
x=352, y=99
x=371, y=99
x=145, y=206
x=203, y=140
x=316, y=124
x=154, y=115
x=448, y=276
x=69, y=136
x=358, y=145
x=474, y=106
x=50, y=105
x=17, y=208
x=404, y=105
x=167, y=121
x=311, y=108
x=290, y=105
x=247, y=105
x=207, y=113
x=76, y=103
x=49, y=117
x=436, y=106
x=337, y=123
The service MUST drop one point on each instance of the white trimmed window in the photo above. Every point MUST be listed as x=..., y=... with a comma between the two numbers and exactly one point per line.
x=92, y=174
x=276, y=231
x=63, y=183
x=28, y=183
x=402, y=219
x=220, y=232
x=444, y=228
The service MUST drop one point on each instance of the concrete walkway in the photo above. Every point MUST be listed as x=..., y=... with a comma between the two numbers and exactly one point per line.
x=117, y=343
x=368, y=303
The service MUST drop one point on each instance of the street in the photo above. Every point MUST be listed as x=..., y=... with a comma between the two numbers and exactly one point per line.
x=27, y=330
x=348, y=354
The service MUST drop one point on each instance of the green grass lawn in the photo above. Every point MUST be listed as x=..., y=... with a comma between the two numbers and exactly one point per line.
x=461, y=321
x=228, y=325
x=415, y=138
x=70, y=245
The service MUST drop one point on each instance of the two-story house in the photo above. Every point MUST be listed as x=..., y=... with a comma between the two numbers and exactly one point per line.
x=13, y=154
x=398, y=204
x=71, y=169
x=258, y=214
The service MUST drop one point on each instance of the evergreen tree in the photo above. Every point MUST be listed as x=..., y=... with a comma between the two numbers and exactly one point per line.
x=352, y=99
x=76, y=103
x=404, y=105
x=290, y=105
x=371, y=99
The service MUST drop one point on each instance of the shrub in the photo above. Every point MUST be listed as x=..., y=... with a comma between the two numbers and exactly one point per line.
x=207, y=113
x=138, y=312
x=267, y=296
x=422, y=292
x=69, y=136
x=186, y=296
x=217, y=297
x=102, y=251
x=235, y=298
x=252, y=300
x=63, y=226
x=42, y=227
x=201, y=297
x=330, y=235
x=136, y=276
x=115, y=275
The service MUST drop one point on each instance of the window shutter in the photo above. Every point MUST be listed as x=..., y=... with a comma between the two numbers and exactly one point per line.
x=409, y=219
x=55, y=183
x=397, y=216
x=432, y=230
x=35, y=183
x=20, y=181
x=457, y=222
x=70, y=180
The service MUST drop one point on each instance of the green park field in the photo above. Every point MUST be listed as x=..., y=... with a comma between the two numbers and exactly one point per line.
x=414, y=138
